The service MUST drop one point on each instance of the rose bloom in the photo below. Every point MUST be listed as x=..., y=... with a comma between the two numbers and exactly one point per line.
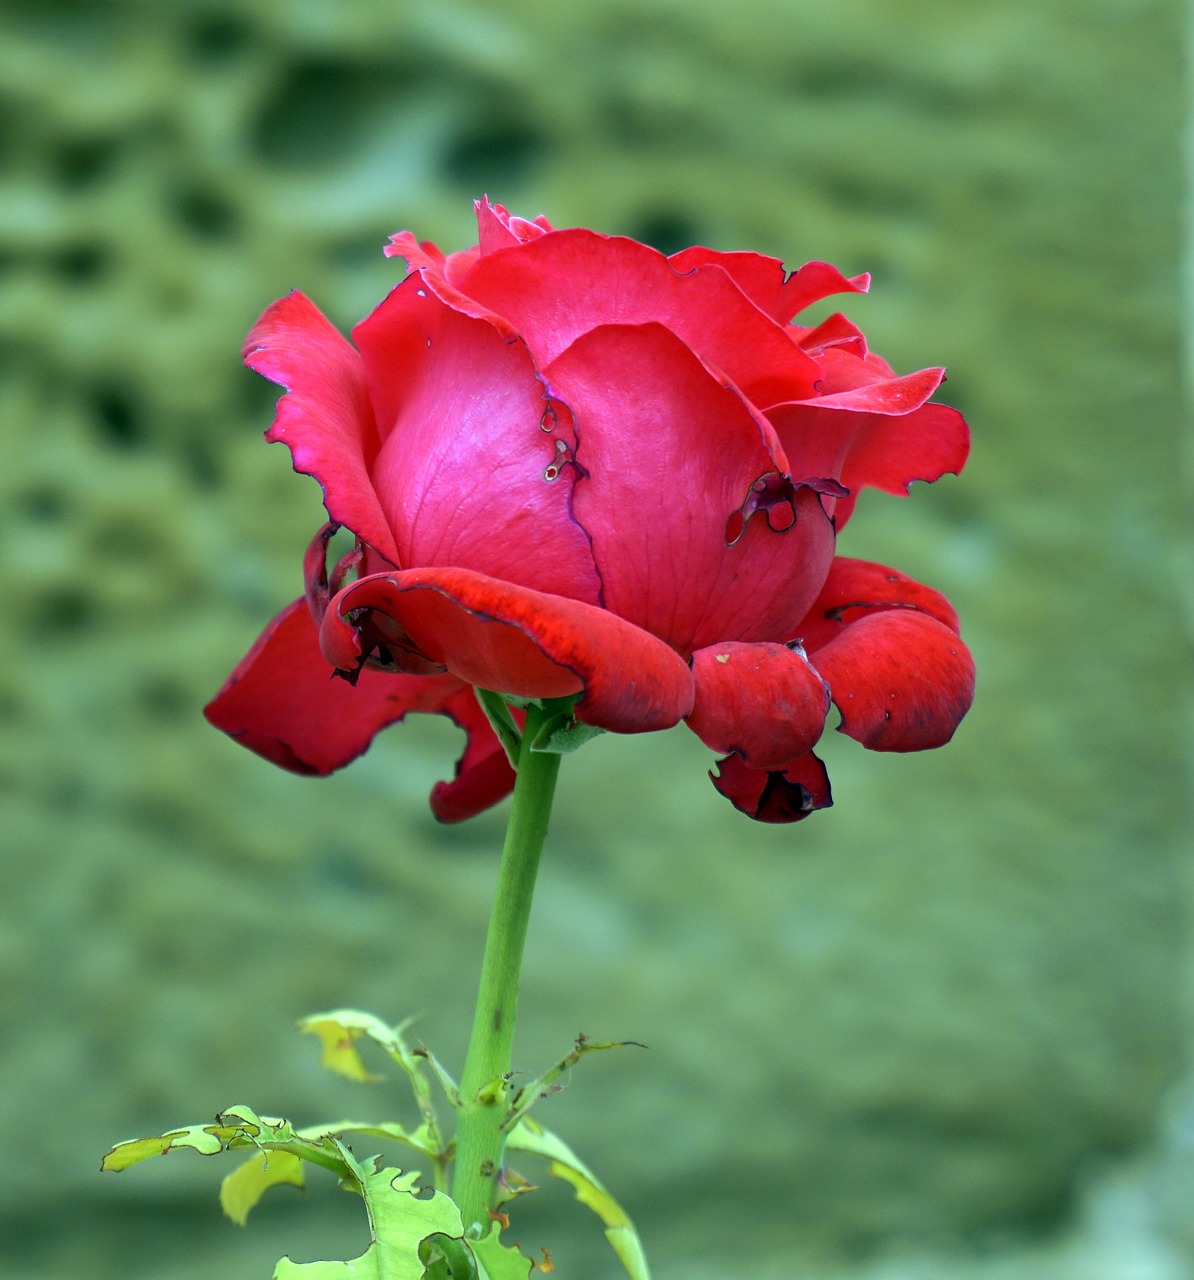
x=574, y=466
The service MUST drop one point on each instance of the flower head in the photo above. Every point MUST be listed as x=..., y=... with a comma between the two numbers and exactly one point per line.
x=574, y=466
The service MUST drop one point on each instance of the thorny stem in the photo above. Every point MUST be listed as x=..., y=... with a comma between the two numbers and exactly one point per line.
x=480, y=1138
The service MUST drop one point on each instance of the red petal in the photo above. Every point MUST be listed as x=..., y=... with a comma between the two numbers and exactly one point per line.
x=553, y=289
x=514, y=640
x=418, y=253
x=883, y=450
x=667, y=454
x=498, y=228
x=325, y=418
x=854, y=588
x=285, y=702
x=777, y=795
x=483, y=775
x=889, y=649
x=767, y=284
x=762, y=701
x=473, y=471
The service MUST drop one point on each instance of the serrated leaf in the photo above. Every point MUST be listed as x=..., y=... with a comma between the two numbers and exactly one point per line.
x=564, y=1163
x=243, y=1187
x=399, y=1221
x=562, y=735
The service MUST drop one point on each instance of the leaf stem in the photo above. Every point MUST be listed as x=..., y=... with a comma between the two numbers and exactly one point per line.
x=484, y=1086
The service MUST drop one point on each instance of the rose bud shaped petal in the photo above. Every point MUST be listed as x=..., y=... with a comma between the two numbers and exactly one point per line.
x=762, y=701
x=889, y=649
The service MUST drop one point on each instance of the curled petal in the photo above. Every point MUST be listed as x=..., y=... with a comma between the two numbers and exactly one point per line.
x=762, y=701
x=501, y=636
x=889, y=649
x=774, y=795
x=902, y=681
x=855, y=588
x=768, y=285
x=885, y=450
x=284, y=702
x=325, y=417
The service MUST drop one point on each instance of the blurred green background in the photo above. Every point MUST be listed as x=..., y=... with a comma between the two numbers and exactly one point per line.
x=939, y=1031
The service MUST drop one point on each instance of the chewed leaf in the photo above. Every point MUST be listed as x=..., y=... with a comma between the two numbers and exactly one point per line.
x=236, y=1129
x=338, y=1033
x=126, y=1154
x=498, y=1261
x=243, y=1188
x=400, y=1221
x=564, y=1163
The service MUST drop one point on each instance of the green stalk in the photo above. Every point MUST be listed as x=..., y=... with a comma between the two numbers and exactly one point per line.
x=480, y=1139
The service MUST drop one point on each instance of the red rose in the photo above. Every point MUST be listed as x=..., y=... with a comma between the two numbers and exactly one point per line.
x=575, y=466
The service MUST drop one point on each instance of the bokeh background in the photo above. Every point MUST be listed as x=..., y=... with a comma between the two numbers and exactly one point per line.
x=939, y=1031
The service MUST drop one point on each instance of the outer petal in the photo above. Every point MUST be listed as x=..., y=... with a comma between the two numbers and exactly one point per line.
x=472, y=472
x=776, y=795
x=554, y=288
x=483, y=774
x=325, y=418
x=284, y=702
x=762, y=701
x=888, y=647
x=514, y=640
x=667, y=455
x=885, y=448
x=768, y=285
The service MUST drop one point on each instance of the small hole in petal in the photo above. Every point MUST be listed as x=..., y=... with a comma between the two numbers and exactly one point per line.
x=734, y=526
x=552, y=473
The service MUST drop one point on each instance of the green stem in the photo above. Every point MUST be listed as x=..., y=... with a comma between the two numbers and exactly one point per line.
x=483, y=1087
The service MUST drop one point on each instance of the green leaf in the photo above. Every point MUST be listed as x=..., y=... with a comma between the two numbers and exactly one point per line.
x=564, y=1163
x=562, y=734
x=399, y=1222
x=243, y=1188
x=496, y=708
x=499, y=1261
x=338, y=1033
x=526, y=1097
x=234, y=1130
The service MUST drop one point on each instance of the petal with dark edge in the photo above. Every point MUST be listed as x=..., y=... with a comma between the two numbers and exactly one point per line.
x=473, y=470
x=762, y=701
x=768, y=285
x=854, y=588
x=284, y=702
x=882, y=450
x=667, y=455
x=775, y=795
x=508, y=638
x=324, y=418
x=557, y=287
x=889, y=649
